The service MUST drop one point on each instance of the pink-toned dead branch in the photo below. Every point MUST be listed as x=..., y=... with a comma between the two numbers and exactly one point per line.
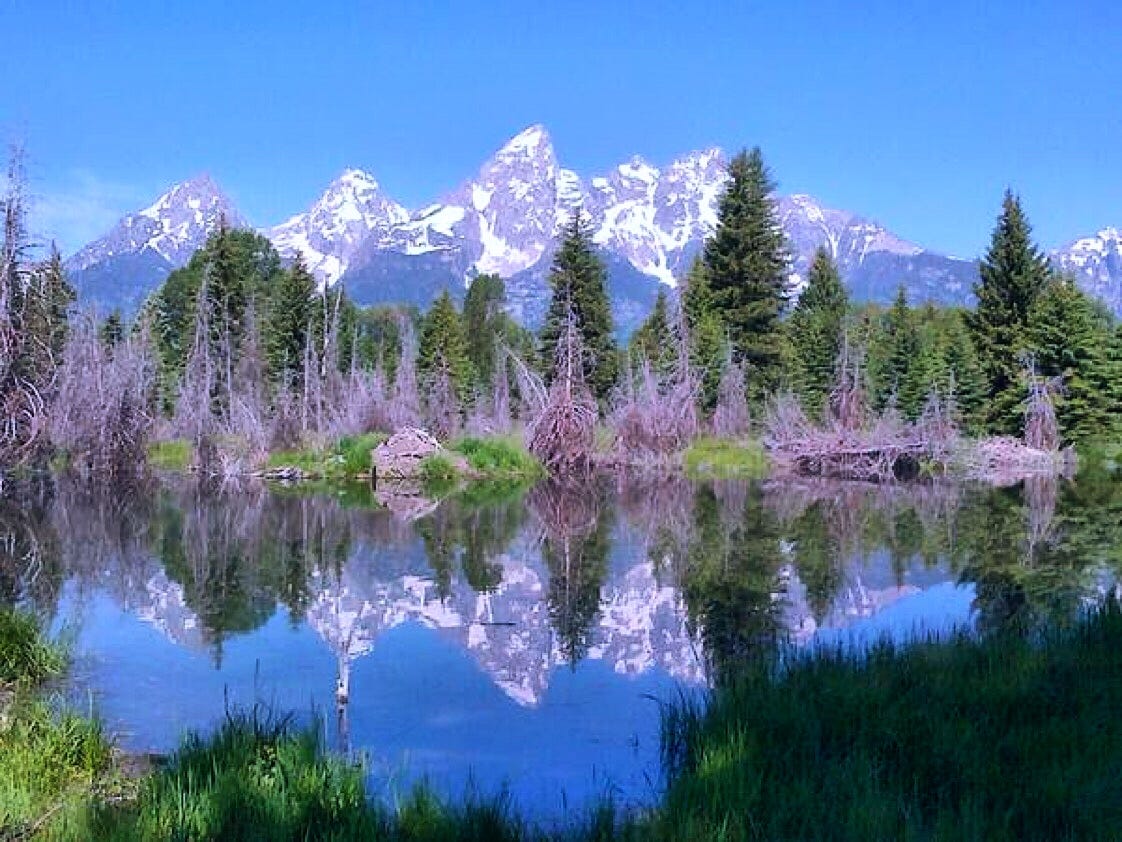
x=562, y=436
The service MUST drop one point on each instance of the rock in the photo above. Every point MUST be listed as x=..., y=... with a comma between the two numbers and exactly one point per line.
x=400, y=456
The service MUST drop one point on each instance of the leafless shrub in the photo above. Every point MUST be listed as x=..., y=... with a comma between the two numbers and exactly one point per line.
x=1042, y=430
x=562, y=435
x=100, y=414
x=362, y=407
x=405, y=407
x=730, y=418
x=651, y=420
x=443, y=405
x=848, y=404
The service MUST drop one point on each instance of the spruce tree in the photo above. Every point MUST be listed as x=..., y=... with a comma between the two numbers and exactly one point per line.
x=654, y=339
x=708, y=342
x=484, y=324
x=578, y=281
x=1011, y=277
x=289, y=317
x=815, y=329
x=443, y=348
x=746, y=262
x=1069, y=337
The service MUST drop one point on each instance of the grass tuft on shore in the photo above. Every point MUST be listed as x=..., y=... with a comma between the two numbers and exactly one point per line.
x=716, y=458
x=171, y=455
x=27, y=656
x=498, y=458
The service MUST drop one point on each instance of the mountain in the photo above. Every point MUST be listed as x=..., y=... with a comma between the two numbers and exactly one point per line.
x=1096, y=262
x=351, y=212
x=649, y=223
x=123, y=267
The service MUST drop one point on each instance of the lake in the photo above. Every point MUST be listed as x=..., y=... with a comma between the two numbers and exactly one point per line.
x=522, y=640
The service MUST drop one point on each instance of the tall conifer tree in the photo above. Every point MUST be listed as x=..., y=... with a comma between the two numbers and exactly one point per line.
x=578, y=280
x=746, y=262
x=1011, y=277
x=816, y=327
x=443, y=347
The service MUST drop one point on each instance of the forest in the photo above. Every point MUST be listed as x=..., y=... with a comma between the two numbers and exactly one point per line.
x=238, y=357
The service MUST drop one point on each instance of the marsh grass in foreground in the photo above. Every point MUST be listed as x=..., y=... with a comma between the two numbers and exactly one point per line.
x=257, y=778
x=1003, y=739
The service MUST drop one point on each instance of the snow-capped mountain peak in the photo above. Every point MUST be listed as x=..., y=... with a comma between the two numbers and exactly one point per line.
x=352, y=211
x=172, y=228
x=1096, y=263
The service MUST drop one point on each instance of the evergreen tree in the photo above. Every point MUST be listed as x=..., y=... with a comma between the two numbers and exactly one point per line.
x=112, y=330
x=896, y=345
x=1011, y=277
x=708, y=343
x=289, y=316
x=443, y=348
x=1069, y=336
x=816, y=328
x=746, y=263
x=578, y=280
x=654, y=339
x=485, y=324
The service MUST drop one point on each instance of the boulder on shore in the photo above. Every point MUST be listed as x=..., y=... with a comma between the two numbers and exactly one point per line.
x=401, y=455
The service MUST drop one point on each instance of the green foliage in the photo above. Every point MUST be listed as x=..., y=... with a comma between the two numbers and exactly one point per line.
x=1011, y=277
x=746, y=265
x=241, y=268
x=900, y=743
x=1070, y=338
x=714, y=458
x=578, y=283
x=498, y=458
x=816, y=331
x=486, y=324
x=347, y=458
x=112, y=330
x=708, y=342
x=654, y=339
x=49, y=760
x=173, y=455
x=288, y=318
x=439, y=474
x=443, y=348
x=27, y=656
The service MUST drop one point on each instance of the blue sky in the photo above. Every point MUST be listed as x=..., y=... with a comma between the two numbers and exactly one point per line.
x=917, y=117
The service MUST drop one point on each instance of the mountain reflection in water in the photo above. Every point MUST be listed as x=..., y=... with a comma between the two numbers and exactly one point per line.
x=519, y=638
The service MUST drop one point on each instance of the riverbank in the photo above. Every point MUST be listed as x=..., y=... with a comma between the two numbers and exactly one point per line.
x=998, y=738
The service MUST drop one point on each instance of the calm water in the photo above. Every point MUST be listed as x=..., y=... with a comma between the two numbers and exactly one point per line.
x=521, y=640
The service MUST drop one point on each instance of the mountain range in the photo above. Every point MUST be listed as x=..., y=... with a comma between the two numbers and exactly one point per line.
x=649, y=223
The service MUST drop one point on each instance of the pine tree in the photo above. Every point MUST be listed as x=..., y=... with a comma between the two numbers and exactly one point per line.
x=815, y=329
x=896, y=347
x=1011, y=277
x=289, y=316
x=746, y=263
x=443, y=350
x=654, y=339
x=708, y=342
x=485, y=324
x=112, y=330
x=578, y=280
x=1069, y=337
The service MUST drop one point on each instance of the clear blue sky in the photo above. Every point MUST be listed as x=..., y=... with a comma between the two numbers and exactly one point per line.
x=916, y=117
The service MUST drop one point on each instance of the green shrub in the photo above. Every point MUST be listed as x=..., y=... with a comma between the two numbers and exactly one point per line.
x=173, y=455
x=713, y=458
x=498, y=457
x=439, y=474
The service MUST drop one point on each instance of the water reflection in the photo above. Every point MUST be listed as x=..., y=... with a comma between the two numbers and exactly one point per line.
x=655, y=578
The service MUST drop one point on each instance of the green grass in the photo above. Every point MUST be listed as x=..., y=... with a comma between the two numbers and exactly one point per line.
x=49, y=760
x=498, y=458
x=1004, y=739
x=259, y=779
x=27, y=656
x=713, y=458
x=439, y=475
x=173, y=455
x=347, y=458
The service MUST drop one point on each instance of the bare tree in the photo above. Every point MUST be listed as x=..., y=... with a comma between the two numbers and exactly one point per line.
x=100, y=414
x=730, y=418
x=562, y=435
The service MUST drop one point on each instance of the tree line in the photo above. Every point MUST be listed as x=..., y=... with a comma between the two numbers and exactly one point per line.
x=238, y=346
